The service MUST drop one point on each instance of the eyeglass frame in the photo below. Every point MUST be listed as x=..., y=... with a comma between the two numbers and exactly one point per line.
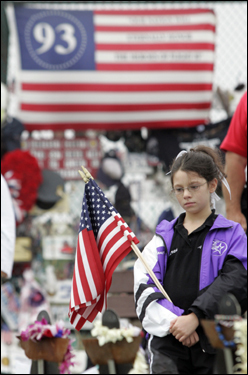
x=188, y=188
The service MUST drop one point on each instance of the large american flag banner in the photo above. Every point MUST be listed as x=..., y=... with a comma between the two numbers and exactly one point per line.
x=114, y=68
x=104, y=239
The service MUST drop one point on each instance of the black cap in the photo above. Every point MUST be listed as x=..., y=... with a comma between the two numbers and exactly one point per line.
x=48, y=191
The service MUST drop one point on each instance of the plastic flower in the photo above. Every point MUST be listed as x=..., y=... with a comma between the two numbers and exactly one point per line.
x=38, y=330
x=105, y=335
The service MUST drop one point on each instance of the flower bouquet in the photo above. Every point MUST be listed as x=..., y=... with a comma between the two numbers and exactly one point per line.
x=42, y=341
x=118, y=344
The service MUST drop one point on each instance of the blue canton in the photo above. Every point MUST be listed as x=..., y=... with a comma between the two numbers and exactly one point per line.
x=96, y=208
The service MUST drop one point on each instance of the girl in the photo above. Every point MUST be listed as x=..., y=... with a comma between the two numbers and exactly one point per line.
x=198, y=257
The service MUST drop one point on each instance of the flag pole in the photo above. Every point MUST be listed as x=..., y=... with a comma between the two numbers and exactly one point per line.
x=86, y=176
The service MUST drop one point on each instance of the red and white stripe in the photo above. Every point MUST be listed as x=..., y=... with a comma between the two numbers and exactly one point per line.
x=95, y=263
x=88, y=283
x=80, y=316
x=114, y=241
x=154, y=68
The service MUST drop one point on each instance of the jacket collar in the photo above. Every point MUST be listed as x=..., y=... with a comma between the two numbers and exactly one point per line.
x=166, y=226
x=220, y=223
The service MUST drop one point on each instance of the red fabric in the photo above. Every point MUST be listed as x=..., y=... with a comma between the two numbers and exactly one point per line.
x=236, y=138
x=23, y=175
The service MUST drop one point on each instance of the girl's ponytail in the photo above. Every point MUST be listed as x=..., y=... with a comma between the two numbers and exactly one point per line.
x=215, y=155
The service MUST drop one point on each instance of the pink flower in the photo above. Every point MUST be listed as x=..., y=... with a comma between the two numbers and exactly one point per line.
x=38, y=330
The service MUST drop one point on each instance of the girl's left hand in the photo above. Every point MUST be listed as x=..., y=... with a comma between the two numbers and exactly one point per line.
x=183, y=326
x=191, y=340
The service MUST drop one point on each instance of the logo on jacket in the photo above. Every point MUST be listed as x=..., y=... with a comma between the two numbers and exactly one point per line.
x=173, y=252
x=219, y=247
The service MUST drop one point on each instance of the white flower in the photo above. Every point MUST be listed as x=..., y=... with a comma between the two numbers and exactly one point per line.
x=140, y=365
x=240, y=337
x=105, y=335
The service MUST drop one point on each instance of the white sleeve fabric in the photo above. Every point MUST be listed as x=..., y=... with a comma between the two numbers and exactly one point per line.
x=154, y=311
x=8, y=229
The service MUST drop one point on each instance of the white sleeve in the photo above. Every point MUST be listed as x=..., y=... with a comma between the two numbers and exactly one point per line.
x=8, y=229
x=153, y=310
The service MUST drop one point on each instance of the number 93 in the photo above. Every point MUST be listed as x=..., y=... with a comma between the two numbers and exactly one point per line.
x=45, y=34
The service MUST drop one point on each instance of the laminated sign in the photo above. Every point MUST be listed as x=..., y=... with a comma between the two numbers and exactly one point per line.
x=65, y=156
x=114, y=69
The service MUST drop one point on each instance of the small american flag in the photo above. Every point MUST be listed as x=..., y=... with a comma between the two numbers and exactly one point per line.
x=104, y=239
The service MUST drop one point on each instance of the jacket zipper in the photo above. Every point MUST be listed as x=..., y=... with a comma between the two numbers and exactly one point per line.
x=199, y=269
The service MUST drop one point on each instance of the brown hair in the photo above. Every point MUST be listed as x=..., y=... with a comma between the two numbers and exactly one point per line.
x=202, y=160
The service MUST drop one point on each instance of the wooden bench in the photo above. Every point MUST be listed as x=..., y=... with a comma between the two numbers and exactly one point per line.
x=120, y=295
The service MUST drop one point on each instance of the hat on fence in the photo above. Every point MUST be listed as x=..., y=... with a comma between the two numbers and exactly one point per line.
x=11, y=134
x=49, y=192
x=123, y=201
x=111, y=170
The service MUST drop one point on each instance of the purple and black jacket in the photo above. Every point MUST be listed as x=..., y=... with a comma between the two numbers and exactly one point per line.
x=222, y=270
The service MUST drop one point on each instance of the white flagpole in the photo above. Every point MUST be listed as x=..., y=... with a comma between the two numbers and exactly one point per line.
x=86, y=176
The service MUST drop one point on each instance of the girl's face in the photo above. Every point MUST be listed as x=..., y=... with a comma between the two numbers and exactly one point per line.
x=193, y=191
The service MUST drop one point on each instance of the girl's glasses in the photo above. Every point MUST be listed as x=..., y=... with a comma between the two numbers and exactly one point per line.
x=192, y=189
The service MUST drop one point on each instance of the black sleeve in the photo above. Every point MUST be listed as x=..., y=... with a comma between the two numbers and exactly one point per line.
x=231, y=279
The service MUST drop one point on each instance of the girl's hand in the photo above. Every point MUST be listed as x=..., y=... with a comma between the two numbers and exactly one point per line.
x=183, y=326
x=191, y=340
